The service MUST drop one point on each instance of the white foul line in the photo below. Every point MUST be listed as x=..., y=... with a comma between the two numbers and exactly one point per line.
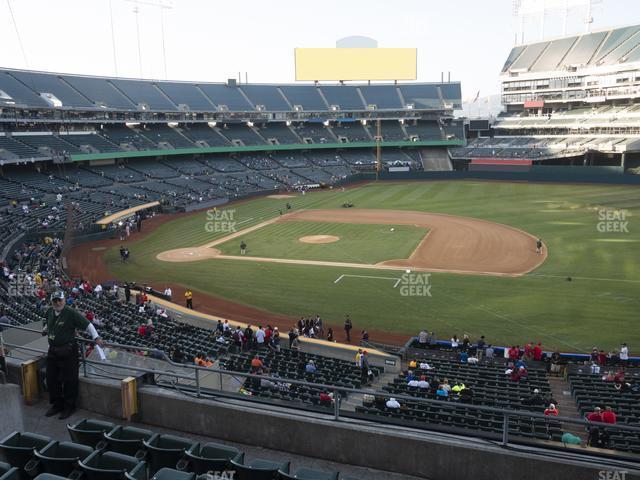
x=245, y=221
x=369, y=276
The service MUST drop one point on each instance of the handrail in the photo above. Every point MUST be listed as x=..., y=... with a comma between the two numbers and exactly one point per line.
x=480, y=408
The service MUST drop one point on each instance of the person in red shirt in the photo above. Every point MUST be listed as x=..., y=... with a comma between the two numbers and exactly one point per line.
x=551, y=411
x=619, y=377
x=514, y=353
x=595, y=416
x=537, y=352
x=528, y=351
x=602, y=358
x=609, y=416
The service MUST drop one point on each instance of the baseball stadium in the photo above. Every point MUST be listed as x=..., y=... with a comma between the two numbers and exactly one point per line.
x=348, y=276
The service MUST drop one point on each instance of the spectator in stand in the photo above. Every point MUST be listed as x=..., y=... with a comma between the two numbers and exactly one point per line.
x=393, y=404
x=310, y=367
x=411, y=380
x=433, y=340
x=480, y=347
x=555, y=362
x=465, y=342
x=489, y=354
x=624, y=355
x=551, y=411
x=464, y=356
x=535, y=400
x=177, y=356
x=423, y=383
x=330, y=335
x=364, y=368
x=425, y=366
x=422, y=339
x=326, y=399
x=514, y=353
x=537, y=352
x=595, y=416
x=602, y=358
x=256, y=365
x=609, y=416
x=528, y=352
x=358, y=357
x=454, y=342
x=260, y=336
x=347, y=328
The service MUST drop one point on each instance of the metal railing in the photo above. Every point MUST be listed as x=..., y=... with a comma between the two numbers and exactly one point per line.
x=339, y=392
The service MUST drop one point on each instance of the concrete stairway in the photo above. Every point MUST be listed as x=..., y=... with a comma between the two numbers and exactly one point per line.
x=435, y=159
x=561, y=391
x=355, y=400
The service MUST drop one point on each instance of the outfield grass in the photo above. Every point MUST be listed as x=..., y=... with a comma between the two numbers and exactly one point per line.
x=358, y=243
x=599, y=307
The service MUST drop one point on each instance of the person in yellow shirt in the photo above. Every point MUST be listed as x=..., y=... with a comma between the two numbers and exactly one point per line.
x=358, y=357
x=188, y=295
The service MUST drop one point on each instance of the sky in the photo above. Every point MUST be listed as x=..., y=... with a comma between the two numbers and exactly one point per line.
x=213, y=40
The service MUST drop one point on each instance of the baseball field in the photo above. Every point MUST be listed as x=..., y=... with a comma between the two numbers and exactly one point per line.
x=451, y=257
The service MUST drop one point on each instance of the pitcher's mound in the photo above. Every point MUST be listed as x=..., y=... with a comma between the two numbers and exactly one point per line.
x=319, y=239
x=277, y=197
x=193, y=254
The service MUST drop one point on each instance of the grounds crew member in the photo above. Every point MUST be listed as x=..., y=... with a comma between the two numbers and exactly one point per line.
x=188, y=295
x=60, y=325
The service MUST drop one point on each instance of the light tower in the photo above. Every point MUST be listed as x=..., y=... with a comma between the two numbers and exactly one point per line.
x=162, y=5
x=541, y=9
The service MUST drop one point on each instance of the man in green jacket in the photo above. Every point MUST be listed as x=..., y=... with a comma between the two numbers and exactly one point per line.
x=60, y=325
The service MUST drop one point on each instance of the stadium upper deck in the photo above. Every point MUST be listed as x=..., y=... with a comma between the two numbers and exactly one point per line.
x=590, y=68
x=570, y=100
x=44, y=91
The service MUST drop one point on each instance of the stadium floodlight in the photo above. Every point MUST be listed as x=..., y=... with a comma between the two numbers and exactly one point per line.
x=541, y=8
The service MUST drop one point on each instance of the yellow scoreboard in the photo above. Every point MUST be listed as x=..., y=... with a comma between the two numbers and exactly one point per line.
x=356, y=64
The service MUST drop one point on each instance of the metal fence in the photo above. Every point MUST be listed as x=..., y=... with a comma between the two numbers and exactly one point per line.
x=204, y=382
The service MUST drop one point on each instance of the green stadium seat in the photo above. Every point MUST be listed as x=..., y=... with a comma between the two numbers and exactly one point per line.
x=7, y=472
x=209, y=457
x=172, y=474
x=127, y=440
x=165, y=451
x=59, y=458
x=17, y=448
x=88, y=431
x=113, y=466
x=258, y=469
